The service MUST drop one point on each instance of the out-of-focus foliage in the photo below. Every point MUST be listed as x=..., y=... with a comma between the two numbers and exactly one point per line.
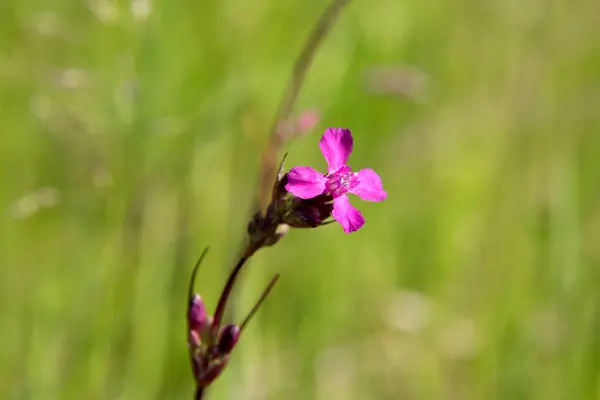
x=131, y=136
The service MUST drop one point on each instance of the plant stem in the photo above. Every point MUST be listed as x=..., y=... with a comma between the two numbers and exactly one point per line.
x=227, y=289
x=290, y=95
x=194, y=273
x=260, y=301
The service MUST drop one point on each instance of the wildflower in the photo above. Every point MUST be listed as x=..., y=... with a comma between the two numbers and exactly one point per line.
x=306, y=183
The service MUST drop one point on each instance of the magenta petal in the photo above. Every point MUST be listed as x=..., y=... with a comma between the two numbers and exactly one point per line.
x=305, y=182
x=349, y=217
x=369, y=186
x=336, y=146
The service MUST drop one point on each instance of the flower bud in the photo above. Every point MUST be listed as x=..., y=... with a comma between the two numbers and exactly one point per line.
x=229, y=337
x=197, y=316
x=308, y=213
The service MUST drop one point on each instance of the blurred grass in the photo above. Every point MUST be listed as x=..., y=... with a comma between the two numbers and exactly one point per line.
x=131, y=140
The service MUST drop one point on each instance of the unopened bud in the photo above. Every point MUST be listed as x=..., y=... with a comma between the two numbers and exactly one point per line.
x=197, y=316
x=309, y=213
x=228, y=339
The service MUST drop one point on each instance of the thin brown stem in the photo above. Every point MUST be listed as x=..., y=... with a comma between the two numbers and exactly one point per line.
x=227, y=289
x=194, y=273
x=290, y=95
x=199, y=394
x=260, y=301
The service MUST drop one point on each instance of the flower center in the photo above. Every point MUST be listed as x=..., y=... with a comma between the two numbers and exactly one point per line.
x=340, y=183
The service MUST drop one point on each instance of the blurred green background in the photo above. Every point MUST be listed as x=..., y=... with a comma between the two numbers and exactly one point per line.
x=131, y=138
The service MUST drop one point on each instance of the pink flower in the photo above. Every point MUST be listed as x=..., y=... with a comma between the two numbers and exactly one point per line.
x=306, y=183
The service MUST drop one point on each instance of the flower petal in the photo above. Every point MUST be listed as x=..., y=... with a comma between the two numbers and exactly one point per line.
x=369, y=186
x=349, y=217
x=336, y=145
x=305, y=182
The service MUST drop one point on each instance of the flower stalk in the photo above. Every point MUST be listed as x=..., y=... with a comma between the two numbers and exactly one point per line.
x=210, y=343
